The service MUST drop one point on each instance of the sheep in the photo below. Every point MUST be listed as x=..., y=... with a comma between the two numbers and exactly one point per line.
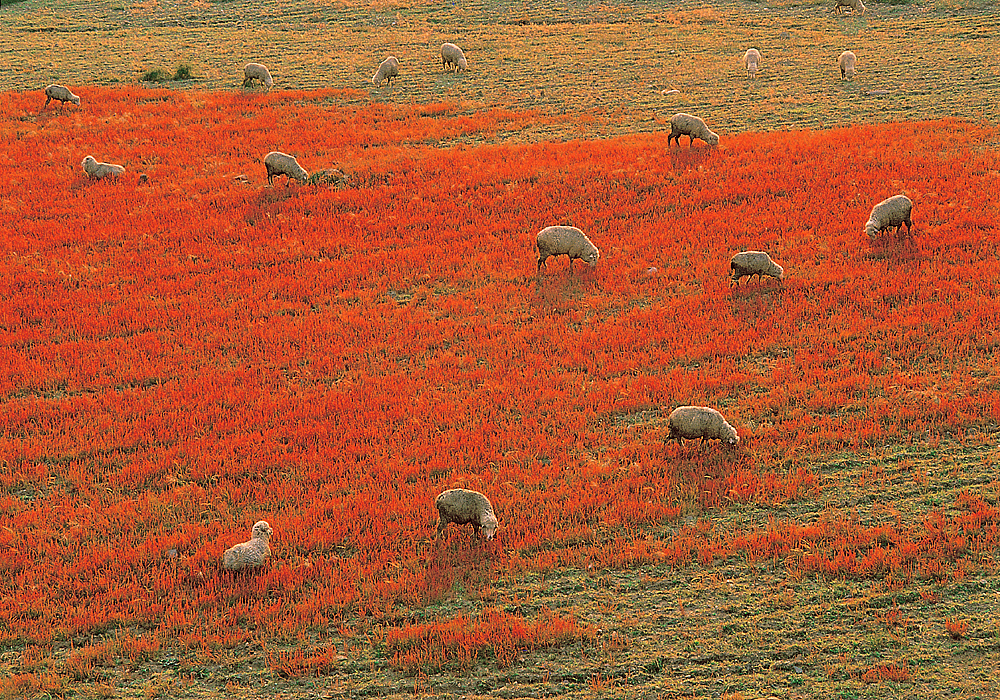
x=693, y=127
x=61, y=93
x=451, y=55
x=565, y=240
x=890, y=213
x=847, y=62
x=99, y=171
x=753, y=262
x=693, y=422
x=257, y=71
x=387, y=70
x=855, y=5
x=252, y=553
x=751, y=59
x=278, y=163
x=463, y=507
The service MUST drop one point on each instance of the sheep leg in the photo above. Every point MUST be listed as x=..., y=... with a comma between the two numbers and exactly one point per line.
x=47, y=100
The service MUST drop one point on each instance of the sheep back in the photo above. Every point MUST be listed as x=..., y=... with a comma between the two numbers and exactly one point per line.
x=387, y=70
x=99, y=171
x=848, y=63
x=452, y=55
x=257, y=71
x=691, y=422
x=751, y=59
x=465, y=507
x=565, y=240
x=855, y=5
x=753, y=262
x=693, y=127
x=278, y=163
x=252, y=553
x=890, y=213
x=61, y=93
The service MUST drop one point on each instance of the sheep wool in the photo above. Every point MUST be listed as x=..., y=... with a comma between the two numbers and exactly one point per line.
x=565, y=240
x=753, y=262
x=278, y=163
x=693, y=127
x=890, y=213
x=61, y=93
x=451, y=55
x=252, y=553
x=387, y=70
x=692, y=422
x=848, y=61
x=855, y=5
x=259, y=72
x=465, y=507
x=751, y=59
x=99, y=171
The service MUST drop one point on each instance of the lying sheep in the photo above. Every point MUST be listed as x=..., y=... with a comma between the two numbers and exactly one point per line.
x=99, y=171
x=252, y=553
x=855, y=5
x=278, y=163
x=451, y=55
x=693, y=422
x=387, y=70
x=61, y=93
x=693, y=127
x=890, y=213
x=259, y=72
x=751, y=59
x=565, y=240
x=753, y=262
x=847, y=62
x=464, y=507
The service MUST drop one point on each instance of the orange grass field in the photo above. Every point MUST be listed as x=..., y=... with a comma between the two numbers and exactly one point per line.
x=186, y=355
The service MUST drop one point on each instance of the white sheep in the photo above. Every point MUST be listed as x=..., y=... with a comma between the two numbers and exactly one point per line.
x=890, y=213
x=693, y=127
x=692, y=422
x=259, y=72
x=61, y=93
x=855, y=5
x=753, y=262
x=848, y=61
x=387, y=70
x=451, y=55
x=278, y=163
x=565, y=240
x=251, y=553
x=99, y=171
x=464, y=507
x=751, y=59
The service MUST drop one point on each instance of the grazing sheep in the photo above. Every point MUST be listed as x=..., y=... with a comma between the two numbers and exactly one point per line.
x=278, y=163
x=751, y=59
x=451, y=55
x=257, y=71
x=99, y=171
x=847, y=62
x=565, y=240
x=251, y=553
x=61, y=93
x=753, y=262
x=387, y=70
x=463, y=507
x=692, y=422
x=855, y=5
x=693, y=127
x=890, y=213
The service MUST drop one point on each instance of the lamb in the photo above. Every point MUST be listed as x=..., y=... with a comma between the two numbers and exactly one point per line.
x=847, y=62
x=387, y=70
x=693, y=127
x=693, y=422
x=452, y=55
x=99, y=171
x=61, y=93
x=890, y=213
x=463, y=507
x=855, y=5
x=257, y=71
x=753, y=262
x=565, y=240
x=252, y=553
x=278, y=163
x=751, y=59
